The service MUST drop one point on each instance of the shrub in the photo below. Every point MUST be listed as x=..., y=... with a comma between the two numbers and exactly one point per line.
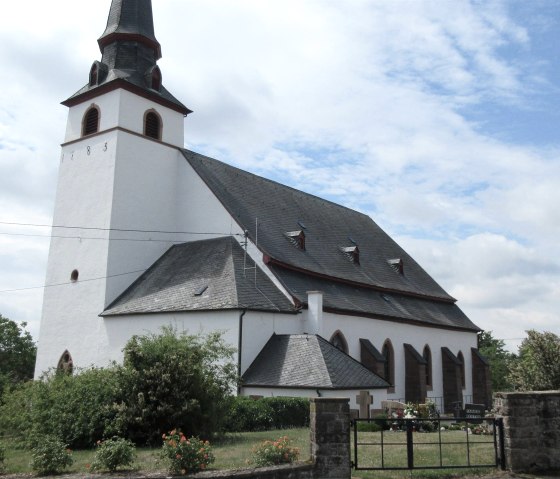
x=112, y=454
x=2, y=457
x=185, y=455
x=247, y=414
x=50, y=455
x=271, y=453
x=366, y=426
x=77, y=409
x=171, y=380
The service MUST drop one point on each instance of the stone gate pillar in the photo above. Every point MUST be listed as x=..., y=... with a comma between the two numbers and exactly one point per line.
x=330, y=437
x=531, y=429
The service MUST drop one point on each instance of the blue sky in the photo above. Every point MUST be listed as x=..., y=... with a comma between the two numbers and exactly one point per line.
x=437, y=118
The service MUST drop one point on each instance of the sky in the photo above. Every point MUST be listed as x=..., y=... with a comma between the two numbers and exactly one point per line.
x=438, y=118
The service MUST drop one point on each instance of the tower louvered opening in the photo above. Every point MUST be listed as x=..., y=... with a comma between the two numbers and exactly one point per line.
x=91, y=121
x=152, y=125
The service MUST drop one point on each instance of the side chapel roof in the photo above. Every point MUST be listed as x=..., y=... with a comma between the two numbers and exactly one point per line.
x=199, y=276
x=308, y=361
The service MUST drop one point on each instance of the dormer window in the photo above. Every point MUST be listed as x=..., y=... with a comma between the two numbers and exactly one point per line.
x=297, y=238
x=90, y=123
x=152, y=125
x=397, y=264
x=156, y=79
x=352, y=253
x=93, y=75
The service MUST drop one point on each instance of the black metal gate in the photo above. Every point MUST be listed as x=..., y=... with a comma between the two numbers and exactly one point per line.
x=427, y=443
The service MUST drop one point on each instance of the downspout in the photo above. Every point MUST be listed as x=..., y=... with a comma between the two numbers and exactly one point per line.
x=239, y=351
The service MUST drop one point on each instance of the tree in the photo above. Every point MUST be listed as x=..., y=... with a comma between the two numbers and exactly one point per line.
x=500, y=360
x=17, y=353
x=171, y=381
x=538, y=366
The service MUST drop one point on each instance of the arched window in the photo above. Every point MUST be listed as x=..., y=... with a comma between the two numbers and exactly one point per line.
x=65, y=363
x=427, y=355
x=74, y=275
x=152, y=125
x=339, y=341
x=462, y=361
x=90, y=123
x=389, y=355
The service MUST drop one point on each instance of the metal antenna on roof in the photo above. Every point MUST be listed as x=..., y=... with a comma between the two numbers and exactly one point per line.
x=246, y=243
x=256, y=244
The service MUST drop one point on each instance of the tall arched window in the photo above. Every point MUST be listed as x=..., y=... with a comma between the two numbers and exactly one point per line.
x=389, y=355
x=339, y=341
x=90, y=123
x=152, y=125
x=427, y=355
x=65, y=363
x=462, y=361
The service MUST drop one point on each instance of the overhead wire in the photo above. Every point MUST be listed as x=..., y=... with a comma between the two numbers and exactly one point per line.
x=122, y=230
x=71, y=282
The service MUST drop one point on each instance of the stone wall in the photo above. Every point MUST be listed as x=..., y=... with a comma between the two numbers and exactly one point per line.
x=330, y=448
x=531, y=429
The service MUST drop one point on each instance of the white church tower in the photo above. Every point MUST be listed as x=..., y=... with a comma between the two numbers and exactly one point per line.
x=115, y=200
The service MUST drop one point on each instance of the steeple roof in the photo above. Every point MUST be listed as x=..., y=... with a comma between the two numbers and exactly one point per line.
x=130, y=52
x=130, y=20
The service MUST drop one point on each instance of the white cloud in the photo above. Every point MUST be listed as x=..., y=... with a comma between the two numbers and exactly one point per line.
x=364, y=102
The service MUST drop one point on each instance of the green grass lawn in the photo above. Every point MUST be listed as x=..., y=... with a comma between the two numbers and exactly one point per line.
x=232, y=452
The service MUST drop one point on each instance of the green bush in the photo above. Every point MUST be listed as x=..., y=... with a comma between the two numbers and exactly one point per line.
x=50, y=455
x=185, y=456
x=270, y=453
x=366, y=426
x=248, y=414
x=2, y=458
x=77, y=409
x=171, y=380
x=166, y=380
x=112, y=454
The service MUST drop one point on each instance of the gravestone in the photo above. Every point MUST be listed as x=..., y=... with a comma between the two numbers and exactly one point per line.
x=364, y=400
x=474, y=413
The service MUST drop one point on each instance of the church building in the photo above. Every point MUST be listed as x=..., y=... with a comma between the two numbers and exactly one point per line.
x=316, y=298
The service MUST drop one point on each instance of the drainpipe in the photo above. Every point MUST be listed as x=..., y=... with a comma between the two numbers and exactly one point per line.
x=239, y=350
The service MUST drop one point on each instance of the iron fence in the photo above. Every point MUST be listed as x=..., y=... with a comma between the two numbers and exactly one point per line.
x=432, y=443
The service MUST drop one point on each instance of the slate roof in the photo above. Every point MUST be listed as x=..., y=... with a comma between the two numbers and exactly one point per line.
x=353, y=299
x=374, y=286
x=308, y=361
x=328, y=227
x=215, y=269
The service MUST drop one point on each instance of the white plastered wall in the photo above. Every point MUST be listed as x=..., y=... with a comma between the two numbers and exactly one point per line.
x=377, y=331
x=120, y=108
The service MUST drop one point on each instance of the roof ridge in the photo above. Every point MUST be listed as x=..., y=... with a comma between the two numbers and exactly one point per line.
x=277, y=183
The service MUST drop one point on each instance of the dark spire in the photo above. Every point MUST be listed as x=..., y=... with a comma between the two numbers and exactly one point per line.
x=131, y=20
x=130, y=53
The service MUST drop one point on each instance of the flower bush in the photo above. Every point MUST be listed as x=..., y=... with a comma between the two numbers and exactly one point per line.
x=112, y=454
x=411, y=411
x=185, y=455
x=49, y=455
x=270, y=453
